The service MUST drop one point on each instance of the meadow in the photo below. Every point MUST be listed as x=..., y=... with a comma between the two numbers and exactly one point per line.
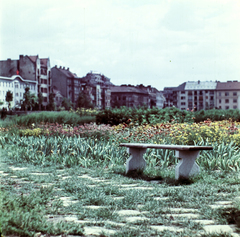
x=76, y=145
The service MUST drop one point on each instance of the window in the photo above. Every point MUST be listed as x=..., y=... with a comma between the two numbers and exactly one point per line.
x=220, y=101
x=182, y=92
x=226, y=107
x=234, y=93
x=234, y=100
x=226, y=93
x=227, y=101
x=206, y=97
x=219, y=93
x=182, y=97
x=235, y=107
x=183, y=103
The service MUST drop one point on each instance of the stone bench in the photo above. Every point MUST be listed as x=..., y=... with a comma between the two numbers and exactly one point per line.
x=185, y=168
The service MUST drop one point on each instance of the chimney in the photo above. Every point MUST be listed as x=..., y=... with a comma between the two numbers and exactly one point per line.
x=63, y=68
x=55, y=66
x=68, y=69
x=60, y=67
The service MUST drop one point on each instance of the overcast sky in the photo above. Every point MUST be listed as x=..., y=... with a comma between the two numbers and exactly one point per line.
x=152, y=42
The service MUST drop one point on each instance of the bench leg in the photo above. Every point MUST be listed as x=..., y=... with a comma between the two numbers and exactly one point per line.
x=187, y=166
x=136, y=161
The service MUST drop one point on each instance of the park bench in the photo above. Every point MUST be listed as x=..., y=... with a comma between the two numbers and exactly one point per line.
x=185, y=168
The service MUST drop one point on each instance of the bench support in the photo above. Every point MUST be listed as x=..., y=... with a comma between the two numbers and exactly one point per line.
x=187, y=166
x=136, y=161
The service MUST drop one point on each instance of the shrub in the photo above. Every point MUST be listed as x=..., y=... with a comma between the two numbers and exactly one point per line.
x=63, y=117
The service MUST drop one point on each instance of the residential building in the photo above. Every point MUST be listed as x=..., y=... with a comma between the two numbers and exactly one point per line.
x=95, y=85
x=129, y=96
x=100, y=92
x=200, y=95
x=228, y=95
x=156, y=98
x=30, y=68
x=204, y=95
x=67, y=83
x=16, y=84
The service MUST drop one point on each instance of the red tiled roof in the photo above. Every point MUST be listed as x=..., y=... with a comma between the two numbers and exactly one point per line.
x=230, y=85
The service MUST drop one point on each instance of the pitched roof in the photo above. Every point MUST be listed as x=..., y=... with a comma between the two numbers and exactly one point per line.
x=128, y=89
x=66, y=72
x=229, y=85
x=33, y=58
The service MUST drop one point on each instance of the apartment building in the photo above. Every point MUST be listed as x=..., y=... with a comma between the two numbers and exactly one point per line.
x=228, y=95
x=129, y=96
x=66, y=82
x=16, y=84
x=70, y=85
x=32, y=69
x=204, y=95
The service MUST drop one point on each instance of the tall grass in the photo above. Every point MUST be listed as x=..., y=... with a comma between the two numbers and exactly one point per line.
x=89, y=152
x=63, y=117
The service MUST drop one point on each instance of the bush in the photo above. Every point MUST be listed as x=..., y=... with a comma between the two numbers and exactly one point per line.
x=143, y=115
x=63, y=117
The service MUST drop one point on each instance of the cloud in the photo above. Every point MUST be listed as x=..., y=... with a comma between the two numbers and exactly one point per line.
x=162, y=43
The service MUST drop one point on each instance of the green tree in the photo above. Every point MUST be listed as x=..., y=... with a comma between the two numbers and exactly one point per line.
x=9, y=98
x=52, y=105
x=40, y=100
x=29, y=99
x=83, y=101
x=66, y=103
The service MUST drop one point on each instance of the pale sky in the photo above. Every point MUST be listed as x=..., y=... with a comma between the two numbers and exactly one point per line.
x=160, y=43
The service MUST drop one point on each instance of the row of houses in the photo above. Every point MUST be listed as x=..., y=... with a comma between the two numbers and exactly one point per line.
x=198, y=95
x=36, y=73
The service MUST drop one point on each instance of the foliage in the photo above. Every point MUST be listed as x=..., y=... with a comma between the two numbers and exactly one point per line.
x=24, y=215
x=217, y=115
x=29, y=99
x=143, y=115
x=84, y=101
x=40, y=100
x=62, y=117
x=86, y=112
x=181, y=133
x=55, y=129
x=51, y=105
x=9, y=98
x=67, y=104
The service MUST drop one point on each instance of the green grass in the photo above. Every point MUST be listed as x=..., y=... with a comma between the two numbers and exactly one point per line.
x=63, y=117
x=30, y=207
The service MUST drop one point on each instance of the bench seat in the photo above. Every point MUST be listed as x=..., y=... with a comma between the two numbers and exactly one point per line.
x=185, y=168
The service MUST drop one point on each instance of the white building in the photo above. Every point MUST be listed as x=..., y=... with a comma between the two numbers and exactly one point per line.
x=16, y=84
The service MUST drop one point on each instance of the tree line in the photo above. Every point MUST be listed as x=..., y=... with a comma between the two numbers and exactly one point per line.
x=32, y=102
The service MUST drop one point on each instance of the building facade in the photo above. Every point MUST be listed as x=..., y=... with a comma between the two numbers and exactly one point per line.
x=197, y=95
x=129, y=96
x=95, y=85
x=30, y=68
x=228, y=95
x=16, y=84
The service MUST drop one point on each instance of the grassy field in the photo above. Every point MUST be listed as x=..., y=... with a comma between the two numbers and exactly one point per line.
x=70, y=180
